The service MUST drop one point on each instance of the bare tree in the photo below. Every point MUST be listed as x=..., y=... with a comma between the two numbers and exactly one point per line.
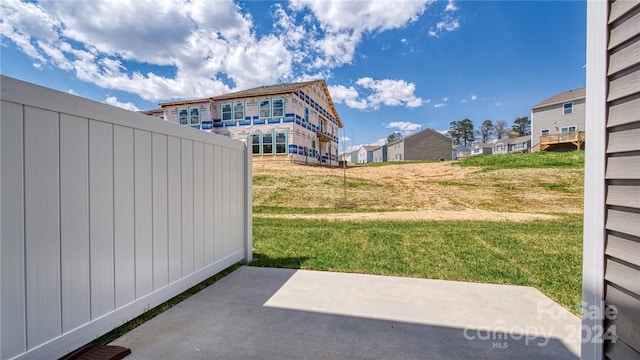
x=485, y=131
x=500, y=129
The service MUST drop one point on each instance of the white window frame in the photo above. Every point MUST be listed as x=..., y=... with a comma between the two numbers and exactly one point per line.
x=191, y=123
x=230, y=104
x=565, y=108
x=234, y=112
x=186, y=118
x=260, y=109
x=273, y=108
x=568, y=128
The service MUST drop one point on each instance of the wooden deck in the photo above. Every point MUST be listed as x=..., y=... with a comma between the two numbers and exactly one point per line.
x=547, y=142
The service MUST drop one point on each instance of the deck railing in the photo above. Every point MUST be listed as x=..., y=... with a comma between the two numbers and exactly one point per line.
x=568, y=137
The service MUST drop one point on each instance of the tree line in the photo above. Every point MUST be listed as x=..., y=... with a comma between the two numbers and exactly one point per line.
x=463, y=133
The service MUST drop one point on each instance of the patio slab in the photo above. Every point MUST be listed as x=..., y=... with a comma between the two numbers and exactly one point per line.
x=268, y=313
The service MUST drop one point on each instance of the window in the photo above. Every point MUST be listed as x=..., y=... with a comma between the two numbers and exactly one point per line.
x=183, y=116
x=255, y=142
x=306, y=115
x=568, y=129
x=189, y=116
x=265, y=108
x=544, y=132
x=238, y=111
x=281, y=143
x=194, y=116
x=226, y=112
x=267, y=144
x=278, y=108
x=567, y=108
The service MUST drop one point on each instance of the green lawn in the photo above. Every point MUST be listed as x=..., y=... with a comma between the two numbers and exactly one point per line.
x=543, y=254
x=537, y=160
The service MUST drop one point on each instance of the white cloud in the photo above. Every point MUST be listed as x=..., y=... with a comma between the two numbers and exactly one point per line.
x=464, y=101
x=73, y=92
x=403, y=126
x=386, y=92
x=404, y=41
x=390, y=92
x=449, y=21
x=344, y=139
x=445, y=99
x=112, y=100
x=473, y=98
x=439, y=105
x=197, y=50
x=498, y=103
x=348, y=96
x=362, y=16
x=451, y=6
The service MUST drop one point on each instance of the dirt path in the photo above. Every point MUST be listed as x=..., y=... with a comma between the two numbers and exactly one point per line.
x=418, y=215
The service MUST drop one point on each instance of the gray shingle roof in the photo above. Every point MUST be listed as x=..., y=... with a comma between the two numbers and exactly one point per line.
x=266, y=90
x=567, y=96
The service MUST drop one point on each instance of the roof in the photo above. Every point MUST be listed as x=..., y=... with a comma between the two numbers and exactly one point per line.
x=266, y=90
x=520, y=139
x=419, y=132
x=370, y=147
x=515, y=140
x=152, y=111
x=483, y=145
x=567, y=96
x=185, y=102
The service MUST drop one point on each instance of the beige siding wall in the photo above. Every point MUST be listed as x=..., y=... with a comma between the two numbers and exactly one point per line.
x=395, y=151
x=552, y=118
x=622, y=274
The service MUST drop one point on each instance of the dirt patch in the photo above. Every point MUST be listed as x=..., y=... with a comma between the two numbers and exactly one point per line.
x=433, y=187
x=418, y=215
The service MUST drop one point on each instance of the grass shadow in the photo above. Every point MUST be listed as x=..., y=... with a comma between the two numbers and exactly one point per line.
x=263, y=260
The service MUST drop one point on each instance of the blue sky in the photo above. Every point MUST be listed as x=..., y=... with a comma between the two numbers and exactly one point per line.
x=390, y=65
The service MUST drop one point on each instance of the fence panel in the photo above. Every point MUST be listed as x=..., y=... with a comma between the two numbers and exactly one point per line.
x=106, y=213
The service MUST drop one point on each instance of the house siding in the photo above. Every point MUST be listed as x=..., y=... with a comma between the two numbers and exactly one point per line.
x=553, y=119
x=380, y=154
x=302, y=143
x=622, y=181
x=427, y=145
x=395, y=151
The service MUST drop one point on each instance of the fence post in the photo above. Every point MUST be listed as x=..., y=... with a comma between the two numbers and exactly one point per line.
x=248, y=210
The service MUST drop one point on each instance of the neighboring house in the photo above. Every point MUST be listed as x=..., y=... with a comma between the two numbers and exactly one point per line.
x=380, y=154
x=427, y=144
x=501, y=146
x=350, y=157
x=460, y=152
x=512, y=145
x=295, y=121
x=157, y=113
x=557, y=123
x=611, y=251
x=365, y=153
x=482, y=149
x=520, y=144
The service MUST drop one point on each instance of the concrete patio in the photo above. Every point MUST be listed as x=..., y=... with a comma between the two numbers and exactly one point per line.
x=267, y=313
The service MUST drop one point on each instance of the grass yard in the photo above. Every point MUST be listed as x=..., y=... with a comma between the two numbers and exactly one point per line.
x=543, y=254
x=546, y=254
x=537, y=160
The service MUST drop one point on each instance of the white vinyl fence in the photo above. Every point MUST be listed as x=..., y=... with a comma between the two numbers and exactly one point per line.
x=106, y=213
